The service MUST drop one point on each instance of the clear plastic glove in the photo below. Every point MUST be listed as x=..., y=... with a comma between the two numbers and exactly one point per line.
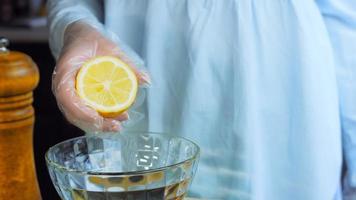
x=82, y=42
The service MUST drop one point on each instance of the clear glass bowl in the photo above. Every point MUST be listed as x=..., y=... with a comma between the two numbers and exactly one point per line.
x=139, y=166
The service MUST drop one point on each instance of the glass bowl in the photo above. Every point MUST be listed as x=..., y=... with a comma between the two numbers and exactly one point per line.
x=139, y=166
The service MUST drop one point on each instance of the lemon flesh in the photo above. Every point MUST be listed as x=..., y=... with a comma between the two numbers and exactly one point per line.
x=107, y=85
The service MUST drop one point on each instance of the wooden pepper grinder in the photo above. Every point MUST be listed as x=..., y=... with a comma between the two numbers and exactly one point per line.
x=18, y=78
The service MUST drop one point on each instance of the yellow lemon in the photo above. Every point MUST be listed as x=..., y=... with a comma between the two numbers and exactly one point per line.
x=107, y=84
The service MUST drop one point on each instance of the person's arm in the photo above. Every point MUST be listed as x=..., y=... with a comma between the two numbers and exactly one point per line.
x=77, y=35
x=61, y=13
x=340, y=20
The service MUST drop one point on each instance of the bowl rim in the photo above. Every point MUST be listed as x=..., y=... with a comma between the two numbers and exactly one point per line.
x=51, y=163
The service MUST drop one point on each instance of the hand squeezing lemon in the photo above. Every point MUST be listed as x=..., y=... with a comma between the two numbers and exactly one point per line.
x=107, y=84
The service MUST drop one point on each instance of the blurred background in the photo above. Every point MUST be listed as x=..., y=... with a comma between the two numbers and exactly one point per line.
x=23, y=22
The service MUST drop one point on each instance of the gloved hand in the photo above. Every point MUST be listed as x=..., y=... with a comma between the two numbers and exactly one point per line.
x=82, y=42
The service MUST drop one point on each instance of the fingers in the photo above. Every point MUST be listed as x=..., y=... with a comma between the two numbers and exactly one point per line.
x=122, y=117
x=78, y=113
x=83, y=116
x=111, y=125
x=74, y=54
x=114, y=124
x=143, y=78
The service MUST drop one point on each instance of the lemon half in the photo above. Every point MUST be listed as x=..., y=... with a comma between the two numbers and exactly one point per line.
x=107, y=85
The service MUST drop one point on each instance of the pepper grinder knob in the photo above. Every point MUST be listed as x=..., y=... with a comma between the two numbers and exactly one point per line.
x=4, y=43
